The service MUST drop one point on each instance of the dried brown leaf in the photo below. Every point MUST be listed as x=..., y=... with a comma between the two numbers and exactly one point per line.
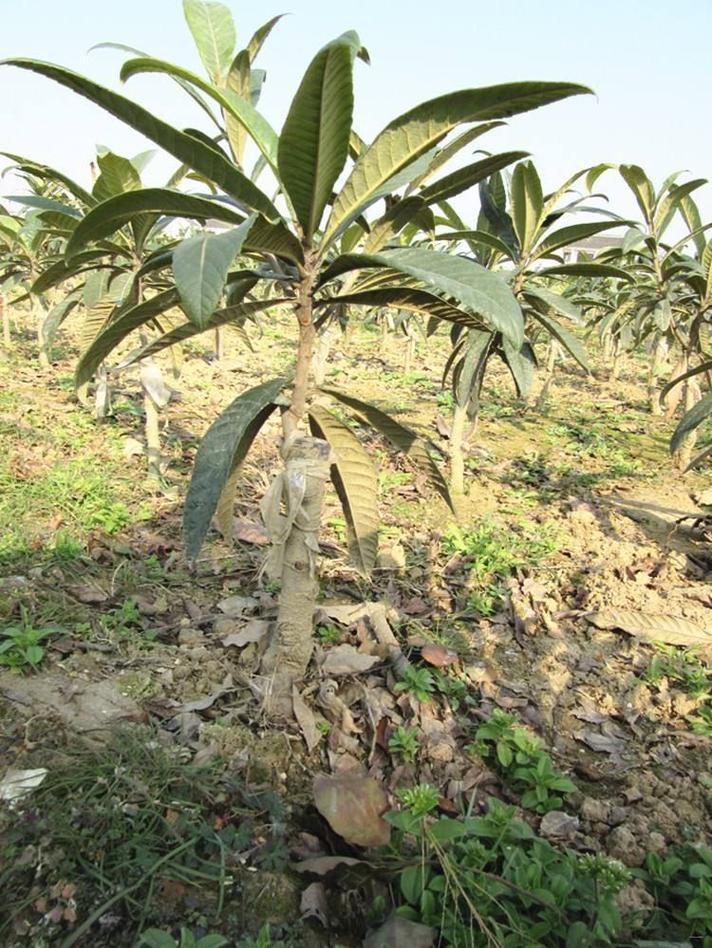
x=353, y=807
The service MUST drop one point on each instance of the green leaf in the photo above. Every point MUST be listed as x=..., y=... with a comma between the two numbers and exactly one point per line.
x=696, y=370
x=522, y=365
x=560, y=304
x=601, y=270
x=209, y=162
x=691, y=420
x=527, y=202
x=222, y=317
x=412, y=300
x=570, y=235
x=468, y=375
x=62, y=270
x=314, y=143
x=260, y=35
x=464, y=178
x=403, y=438
x=237, y=107
x=412, y=134
x=478, y=237
x=354, y=479
x=118, y=175
x=412, y=882
x=200, y=268
x=46, y=173
x=475, y=289
x=38, y=202
x=56, y=316
x=221, y=450
x=213, y=30
x=566, y=338
x=642, y=189
x=118, y=330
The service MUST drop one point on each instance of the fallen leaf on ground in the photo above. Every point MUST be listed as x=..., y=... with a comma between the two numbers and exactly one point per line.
x=235, y=606
x=601, y=743
x=313, y=903
x=88, y=594
x=323, y=865
x=400, y=932
x=438, y=655
x=306, y=720
x=653, y=627
x=249, y=531
x=345, y=660
x=17, y=784
x=254, y=631
x=353, y=807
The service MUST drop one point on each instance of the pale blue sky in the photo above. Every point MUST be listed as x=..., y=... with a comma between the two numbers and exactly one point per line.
x=648, y=61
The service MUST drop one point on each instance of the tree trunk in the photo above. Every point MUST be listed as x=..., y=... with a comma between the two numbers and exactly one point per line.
x=683, y=455
x=653, y=392
x=5, y=312
x=457, y=456
x=153, y=438
x=409, y=353
x=320, y=358
x=43, y=352
x=300, y=491
x=617, y=352
x=548, y=375
x=220, y=343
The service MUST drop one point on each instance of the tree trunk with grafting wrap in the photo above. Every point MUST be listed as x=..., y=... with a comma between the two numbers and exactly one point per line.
x=306, y=458
x=683, y=455
x=548, y=375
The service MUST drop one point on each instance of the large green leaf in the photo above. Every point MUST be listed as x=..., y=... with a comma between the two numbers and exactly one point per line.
x=200, y=268
x=469, y=372
x=46, y=173
x=62, y=270
x=209, y=162
x=401, y=437
x=566, y=338
x=474, y=288
x=118, y=330
x=222, y=317
x=410, y=299
x=554, y=301
x=416, y=131
x=464, y=178
x=354, y=478
x=571, y=235
x=260, y=35
x=691, y=420
x=314, y=143
x=238, y=108
x=114, y=213
x=221, y=451
x=585, y=269
x=642, y=189
x=445, y=154
x=527, y=201
x=477, y=237
x=117, y=176
x=213, y=30
x=41, y=203
x=522, y=365
x=56, y=316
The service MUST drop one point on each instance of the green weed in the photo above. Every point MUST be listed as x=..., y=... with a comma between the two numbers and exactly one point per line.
x=21, y=645
x=404, y=742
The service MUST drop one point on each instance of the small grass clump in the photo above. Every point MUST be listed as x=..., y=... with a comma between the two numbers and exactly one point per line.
x=494, y=554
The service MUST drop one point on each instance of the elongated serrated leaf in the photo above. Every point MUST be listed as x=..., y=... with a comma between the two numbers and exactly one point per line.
x=401, y=437
x=458, y=181
x=642, y=188
x=445, y=154
x=412, y=300
x=527, y=202
x=117, y=331
x=416, y=131
x=213, y=30
x=554, y=301
x=469, y=373
x=691, y=420
x=654, y=627
x=566, y=338
x=209, y=162
x=200, y=268
x=696, y=370
x=222, y=317
x=475, y=289
x=354, y=479
x=314, y=143
x=567, y=236
x=222, y=449
x=236, y=106
x=41, y=203
x=56, y=316
x=522, y=365
x=477, y=237
x=601, y=270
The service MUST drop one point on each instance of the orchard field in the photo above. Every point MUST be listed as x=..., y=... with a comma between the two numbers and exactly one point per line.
x=355, y=553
